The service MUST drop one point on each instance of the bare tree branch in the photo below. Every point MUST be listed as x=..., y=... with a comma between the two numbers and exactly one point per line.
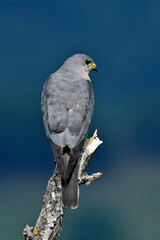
x=48, y=225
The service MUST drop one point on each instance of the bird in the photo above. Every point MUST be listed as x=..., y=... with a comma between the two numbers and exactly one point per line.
x=67, y=103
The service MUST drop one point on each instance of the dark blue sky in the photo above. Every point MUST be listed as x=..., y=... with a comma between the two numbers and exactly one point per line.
x=122, y=37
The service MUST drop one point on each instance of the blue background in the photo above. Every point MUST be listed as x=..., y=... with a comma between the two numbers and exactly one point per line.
x=123, y=38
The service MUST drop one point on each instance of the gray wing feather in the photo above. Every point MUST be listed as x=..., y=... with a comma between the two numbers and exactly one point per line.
x=67, y=108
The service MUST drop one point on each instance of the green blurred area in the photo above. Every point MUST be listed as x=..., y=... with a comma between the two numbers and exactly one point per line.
x=122, y=205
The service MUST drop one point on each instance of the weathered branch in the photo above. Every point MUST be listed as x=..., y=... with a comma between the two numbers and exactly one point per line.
x=48, y=225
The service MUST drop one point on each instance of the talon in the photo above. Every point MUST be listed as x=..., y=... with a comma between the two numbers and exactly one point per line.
x=35, y=232
x=55, y=161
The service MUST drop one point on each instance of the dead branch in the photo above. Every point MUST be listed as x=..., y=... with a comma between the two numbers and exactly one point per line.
x=48, y=225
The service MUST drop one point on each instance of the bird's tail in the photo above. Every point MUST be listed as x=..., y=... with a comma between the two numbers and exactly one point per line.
x=70, y=190
x=67, y=162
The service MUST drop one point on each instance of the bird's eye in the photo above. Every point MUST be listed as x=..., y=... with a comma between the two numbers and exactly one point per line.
x=87, y=62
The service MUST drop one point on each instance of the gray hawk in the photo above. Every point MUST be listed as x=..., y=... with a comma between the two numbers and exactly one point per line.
x=67, y=107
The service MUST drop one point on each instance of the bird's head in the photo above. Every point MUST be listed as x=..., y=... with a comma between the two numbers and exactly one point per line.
x=82, y=63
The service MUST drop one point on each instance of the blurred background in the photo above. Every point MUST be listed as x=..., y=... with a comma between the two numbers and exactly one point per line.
x=123, y=38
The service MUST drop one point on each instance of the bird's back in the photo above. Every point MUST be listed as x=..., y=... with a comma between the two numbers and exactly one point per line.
x=67, y=106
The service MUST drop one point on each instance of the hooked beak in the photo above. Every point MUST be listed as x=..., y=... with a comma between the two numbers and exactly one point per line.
x=94, y=67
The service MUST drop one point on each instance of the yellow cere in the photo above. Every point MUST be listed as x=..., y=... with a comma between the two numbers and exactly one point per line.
x=94, y=65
